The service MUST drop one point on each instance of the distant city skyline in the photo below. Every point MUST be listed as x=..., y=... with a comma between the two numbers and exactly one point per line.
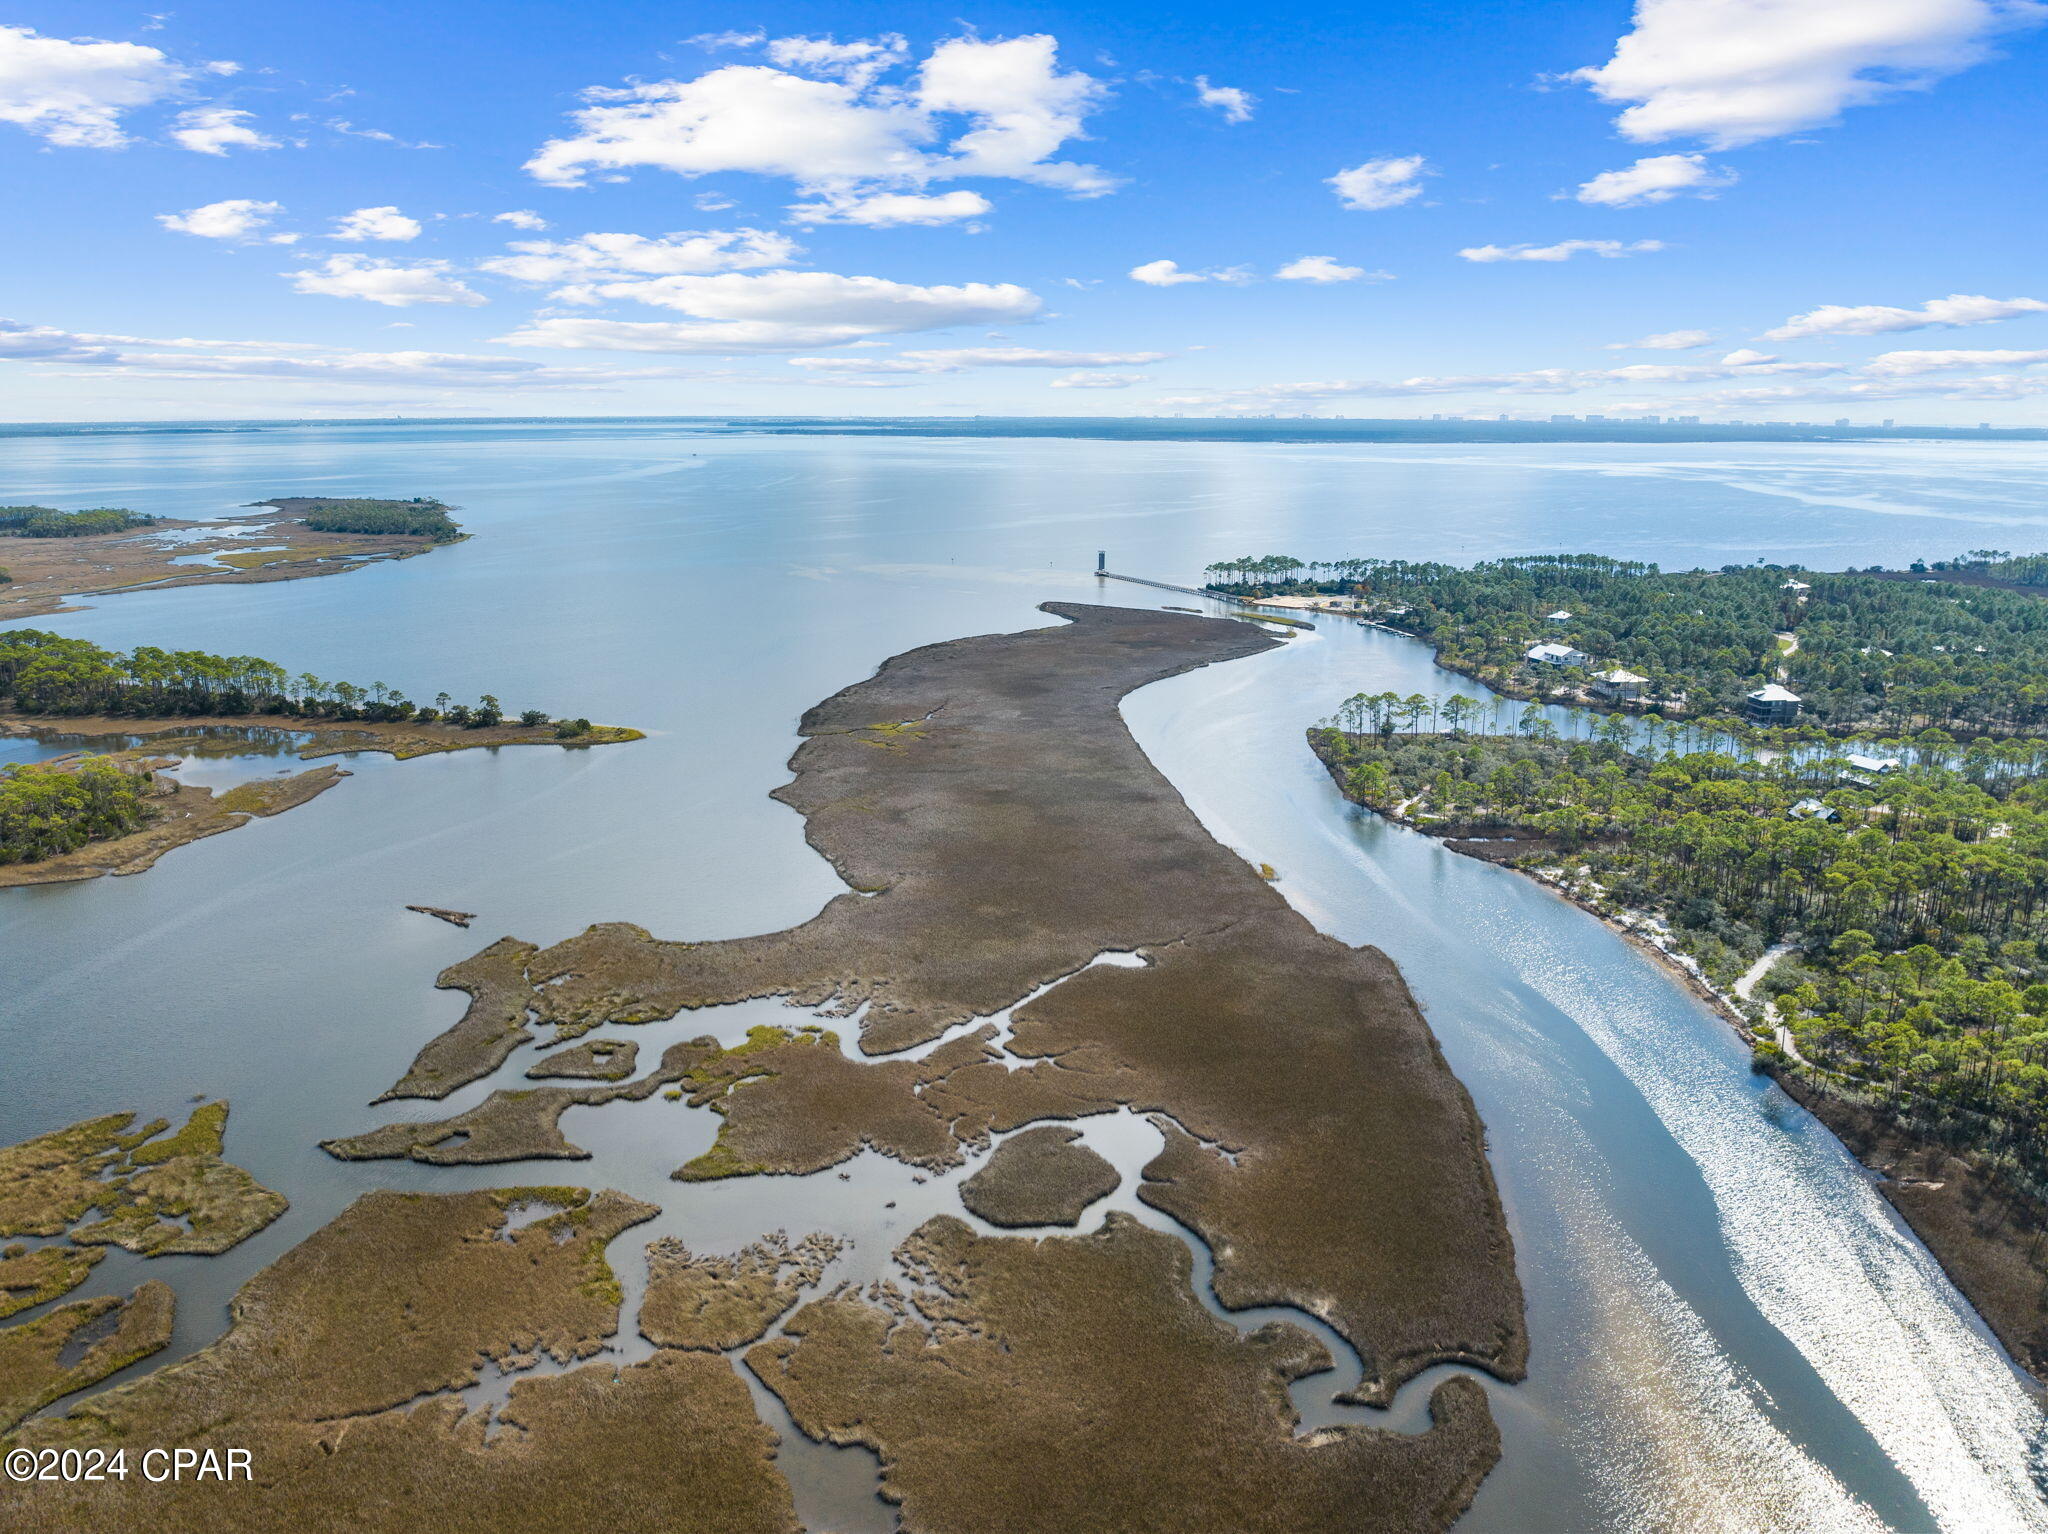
x=1770, y=211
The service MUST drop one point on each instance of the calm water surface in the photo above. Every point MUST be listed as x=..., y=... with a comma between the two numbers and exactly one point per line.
x=1730, y=1329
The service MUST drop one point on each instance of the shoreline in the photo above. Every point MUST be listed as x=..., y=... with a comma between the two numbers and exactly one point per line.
x=1990, y=1261
x=183, y=813
x=50, y=580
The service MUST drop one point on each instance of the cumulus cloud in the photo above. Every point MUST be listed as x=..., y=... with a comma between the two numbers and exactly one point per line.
x=1378, y=184
x=236, y=218
x=1733, y=72
x=1168, y=274
x=1949, y=313
x=735, y=312
x=1664, y=341
x=1564, y=250
x=396, y=284
x=1164, y=274
x=520, y=218
x=1655, y=178
x=595, y=257
x=884, y=210
x=73, y=93
x=216, y=130
x=826, y=120
x=1913, y=363
x=1235, y=105
x=1325, y=269
x=385, y=223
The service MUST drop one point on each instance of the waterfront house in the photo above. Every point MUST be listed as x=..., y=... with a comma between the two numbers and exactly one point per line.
x=1556, y=655
x=1618, y=685
x=1773, y=705
x=1877, y=764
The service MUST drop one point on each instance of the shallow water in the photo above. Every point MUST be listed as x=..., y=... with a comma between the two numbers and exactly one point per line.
x=1729, y=1328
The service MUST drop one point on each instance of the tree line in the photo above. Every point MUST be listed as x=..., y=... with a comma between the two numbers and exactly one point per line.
x=53, y=674
x=1865, y=654
x=48, y=522
x=1918, y=898
x=419, y=517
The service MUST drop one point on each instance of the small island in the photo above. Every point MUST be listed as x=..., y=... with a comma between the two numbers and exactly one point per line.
x=50, y=557
x=118, y=811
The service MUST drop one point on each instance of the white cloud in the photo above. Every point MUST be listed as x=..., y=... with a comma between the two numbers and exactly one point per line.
x=1878, y=319
x=1380, y=184
x=603, y=256
x=1655, y=178
x=1099, y=380
x=780, y=311
x=856, y=62
x=1664, y=341
x=73, y=93
x=1564, y=250
x=520, y=218
x=385, y=223
x=1235, y=105
x=997, y=108
x=1164, y=274
x=290, y=363
x=396, y=284
x=1733, y=72
x=1911, y=364
x=216, y=130
x=883, y=210
x=1744, y=356
x=1325, y=269
x=236, y=218
x=958, y=359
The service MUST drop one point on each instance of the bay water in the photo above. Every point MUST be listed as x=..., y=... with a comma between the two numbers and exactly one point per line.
x=1730, y=1330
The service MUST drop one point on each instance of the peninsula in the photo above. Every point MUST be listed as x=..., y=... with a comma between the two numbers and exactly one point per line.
x=1853, y=874
x=1000, y=830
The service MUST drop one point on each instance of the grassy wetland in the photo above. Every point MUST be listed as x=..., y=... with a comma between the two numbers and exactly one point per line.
x=1007, y=831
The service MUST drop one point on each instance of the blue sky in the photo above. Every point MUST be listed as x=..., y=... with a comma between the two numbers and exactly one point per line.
x=1741, y=209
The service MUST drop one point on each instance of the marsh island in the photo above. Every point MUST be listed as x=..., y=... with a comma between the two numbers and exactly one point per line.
x=1000, y=831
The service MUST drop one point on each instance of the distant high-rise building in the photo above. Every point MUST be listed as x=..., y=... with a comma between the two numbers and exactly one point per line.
x=1685, y=420
x=1887, y=422
x=1563, y=420
x=1592, y=418
x=1841, y=420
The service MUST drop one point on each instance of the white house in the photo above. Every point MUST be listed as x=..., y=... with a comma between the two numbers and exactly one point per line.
x=1560, y=616
x=1876, y=764
x=1619, y=685
x=1812, y=809
x=1795, y=586
x=1556, y=655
